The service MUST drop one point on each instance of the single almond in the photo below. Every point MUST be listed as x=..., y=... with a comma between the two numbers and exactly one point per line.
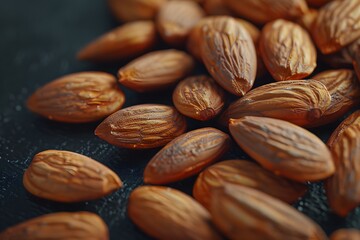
x=78, y=98
x=346, y=234
x=283, y=148
x=300, y=102
x=245, y=213
x=245, y=173
x=199, y=97
x=156, y=70
x=142, y=126
x=60, y=226
x=165, y=213
x=186, y=155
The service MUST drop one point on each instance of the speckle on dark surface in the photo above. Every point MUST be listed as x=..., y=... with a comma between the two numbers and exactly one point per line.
x=38, y=43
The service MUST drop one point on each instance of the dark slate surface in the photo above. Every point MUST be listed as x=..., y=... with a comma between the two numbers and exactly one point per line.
x=37, y=44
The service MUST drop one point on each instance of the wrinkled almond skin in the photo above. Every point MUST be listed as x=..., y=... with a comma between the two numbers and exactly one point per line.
x=245, y=173
x=123, y=42
x=287, y=50
x=61, y=226
x=142, y=126
x=156, y=70
x=283, y=148
x=337, y=25
x=343, y=188
x=300, y=102
x=245, y=213
x=346, y=234
x=199, y=97
x=69, y=177
x=165, y=213
x=263, y=11
x=176, y=19
x=186, y=155
x=229, y=55
x=307, y=20
x=78, y=98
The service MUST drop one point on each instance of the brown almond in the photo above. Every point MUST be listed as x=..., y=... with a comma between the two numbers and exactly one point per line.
x=69, y=177
x=156, y=70
x=165, y=213
x=283, y=148
x=228, y=53
x=336, y=25
x=287, y=50
x=142, y=126
x=245, y=173
x=245, y=213
x=199, y=97
x=343, y=58
x=186, y=155
x=300, y=102
x=346, y=234
x=307, y=20
x=215, y=7
x=78, y=98
x=176, y=19
x=263, y=11
x=343, y=188
x=126, y=41
x=61, y=226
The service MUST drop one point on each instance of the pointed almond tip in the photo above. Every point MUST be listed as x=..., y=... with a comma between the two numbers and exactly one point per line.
x=232, y=121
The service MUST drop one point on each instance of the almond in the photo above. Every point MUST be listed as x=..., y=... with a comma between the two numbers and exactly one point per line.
x=287, y=50
x=78, y=98
x=156, y=70
x=123, y=42
x=300, y=102
x=176, y=19
x=344, y=57
x=337, y=25
x=283, y=148
x=199, y=97
x=245, y=213
x=345, y=234
x=245, y=173
x=61, y=226
x=186, y=155
x=343, y=188
x=307, y=20
x=142, y=126
x=69, y=177
x=165, y=213
x=228, y=53
x=216, y=7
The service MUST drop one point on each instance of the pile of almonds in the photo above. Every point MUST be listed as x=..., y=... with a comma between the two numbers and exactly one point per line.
x=247, y=41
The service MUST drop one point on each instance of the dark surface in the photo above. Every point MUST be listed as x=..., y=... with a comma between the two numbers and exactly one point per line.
x=38, y=42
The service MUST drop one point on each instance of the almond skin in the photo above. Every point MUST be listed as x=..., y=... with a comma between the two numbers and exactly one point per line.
x=283, y=148
x=345, y=234
x=176, y=19
x=186, y=155
x=300, y=102
x=215, y=7
x=199, y=97
x=61, y=226
x=245, y=173
x=307, y=20
x=78, y=98
x=165, y=213
x=126, y=41
x=156, y=70
x=287, y=50
x=69, y=177
x=245, y=213
x=356, y=62
x=228, y=53
x=343, y=188
x=142, y=126
x=337, y=25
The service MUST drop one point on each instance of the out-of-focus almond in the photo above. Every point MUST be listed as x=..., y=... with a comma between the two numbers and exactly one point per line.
x=60, y=226
x=346, y=234
x=78, y=98
x=186, y=155
x=307, y=20
x=199, y=97
x=142, y=126
x=300, y=102
x=216, y=7
x=156, y=70
x=126, y=41
x=166, y=213
x=245, y=173
x=283, y=148
x=317, y=3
